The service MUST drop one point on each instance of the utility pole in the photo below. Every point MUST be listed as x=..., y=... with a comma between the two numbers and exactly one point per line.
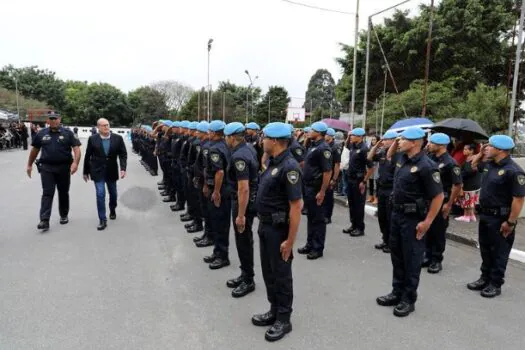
x=354, y=73
x=199, y=106
x=210, y=41
x=427, y=62
x=516, y=71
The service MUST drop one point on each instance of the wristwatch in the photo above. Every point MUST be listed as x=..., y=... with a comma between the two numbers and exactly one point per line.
x=511, y=224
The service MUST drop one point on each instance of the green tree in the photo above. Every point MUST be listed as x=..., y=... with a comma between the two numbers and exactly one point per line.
x=273, y=105
x=320, y=94
x=488, y=106
x=147, y=104
x=106, y=101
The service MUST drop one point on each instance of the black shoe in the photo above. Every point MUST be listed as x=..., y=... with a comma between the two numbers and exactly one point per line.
x=403, y=309
x=186, y=218
x=314, y=255
x=327, y=221
x=349, y=230
x=188, y=225
x=112, y=215
x=386, y=249
x=264, y=320
x=168, y=199
x=478, y=285
x=243, y=289
x=490, y=291
x=161, y=188
x=176, y=207
x=164, y=193
x=235, y=282
x=64, y=220
x=278, y=330
x=304, y=250
x=160, y=183
x=380, y=245
x=43, y=225
x=435, y=267
x=102, y=225
x=195, y=228
x=357, y=233
x=209, y=259
x=198, y=239
x=388, y=300
x=206, y=242
x=219, y=263
x=304, y=212
x=426, y=263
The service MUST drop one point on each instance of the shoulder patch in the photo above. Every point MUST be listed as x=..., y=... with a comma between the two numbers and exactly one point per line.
x=327, y=154
x=299, y=151
x=292, y=176
x=215, y=157
x=240, y=165
x=457, y=171
x=521, y=179
x=198, y=148
x=436, y=177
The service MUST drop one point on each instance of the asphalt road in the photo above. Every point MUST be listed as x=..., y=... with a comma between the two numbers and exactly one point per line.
x=141, y=284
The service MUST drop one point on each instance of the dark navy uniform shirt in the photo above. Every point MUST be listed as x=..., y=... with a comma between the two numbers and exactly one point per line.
x=386, y=168
x=254, y=141
x=175, y=146
x=200, y=163
x=318, y=160
x=192, y=153
x=449, y=171
x=279, y=184
x=218, y=159
x=358, y=161
x=183, y=156
x=501, y=182
x=55, y=145
x=243, y=166
x=297, y=150
x=415, y=178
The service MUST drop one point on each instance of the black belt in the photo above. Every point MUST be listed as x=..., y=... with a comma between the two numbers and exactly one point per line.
x=278, y=218
x=313, y=183
x=500, y=211
x=406, y=208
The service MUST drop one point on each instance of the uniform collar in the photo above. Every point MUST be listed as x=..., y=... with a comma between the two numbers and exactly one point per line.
x=415, y=158
x=280, y=157
x=317, y=143
x=503, y=162
x=238, y=146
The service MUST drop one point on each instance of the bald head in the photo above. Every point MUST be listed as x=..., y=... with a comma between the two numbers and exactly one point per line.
x=103, y=126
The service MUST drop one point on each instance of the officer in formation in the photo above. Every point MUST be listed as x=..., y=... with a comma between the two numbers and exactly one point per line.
x=144, y=141
x=56, y=165
x=336, y=167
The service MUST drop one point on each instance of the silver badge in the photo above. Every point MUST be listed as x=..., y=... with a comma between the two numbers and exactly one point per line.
x=436, y=177
x=240, y=165
x=441, y=165
x=274, y=171
x=292, y=176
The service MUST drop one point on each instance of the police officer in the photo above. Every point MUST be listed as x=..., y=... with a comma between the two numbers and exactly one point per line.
x=242, y=173
x=317, y=173
x=56, y=165
x=336, y=166
x=207, y=239
x=194, y=210
x=501, y=201
x=387, y=165
x=357, y=176
x=278, y=203
x=452, y=183
x=163, y=152
x=296, y=148
x=417, y=199
x=175, y=167
x=217, y=192
x=183, y=161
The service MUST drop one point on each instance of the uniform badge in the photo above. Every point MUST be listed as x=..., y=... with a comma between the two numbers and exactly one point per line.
x=274, y=171
x=45, y=138
x=398, y=165
x=521, y=180
x=501, y=172
x=327, y=154
x=441, y=165
x=205, y=152
x=299, y=151
x=240, y=165
x=313, y=149
x=292, y=176
x=436, y=177
x=457, y=171
x=414, y=169
x=358, y=151
x=215, y=157
x=61, y=137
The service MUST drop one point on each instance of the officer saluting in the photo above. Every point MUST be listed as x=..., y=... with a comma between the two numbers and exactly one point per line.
x=278, y=203
x=417, y=199
x=501, y=200
x=56, y=165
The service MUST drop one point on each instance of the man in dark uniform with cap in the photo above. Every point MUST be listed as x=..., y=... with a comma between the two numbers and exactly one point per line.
x=417, y=199
x=177, y=173
x=194, y=209
x=56, y=165
x=358, y=177
x=278, y=204
x=336, y=166
x=452, y=183
x=243, y=174
x=317, y=172
x=501, y=201
x=296, y=148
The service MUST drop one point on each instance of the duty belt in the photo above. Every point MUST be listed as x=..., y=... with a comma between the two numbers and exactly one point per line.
x=499, y=211
x=277, y=218
x=406, y=208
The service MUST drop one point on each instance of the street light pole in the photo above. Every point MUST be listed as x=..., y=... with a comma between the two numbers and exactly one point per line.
x=354, y=75
x=516, y=71
x=17, y=105
x=250, y=91
x=210, y=41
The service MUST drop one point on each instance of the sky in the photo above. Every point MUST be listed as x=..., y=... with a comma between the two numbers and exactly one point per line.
x=135, y=42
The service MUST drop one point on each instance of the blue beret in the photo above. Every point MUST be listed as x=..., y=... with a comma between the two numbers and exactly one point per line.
x=319, y=127
x=358, y=132
x=203, y=126
x=439, y=139
x=330, y=132
x=277, y=130
x=253, y=126
x=217, y=125
x=175, y=124
x=167, y=123
x=389, y=135
x=233, y=128
x=193, y=126
x=184, y=124
x=53, y=114
x=413, y=133
x=307, y=129
x=502, y=142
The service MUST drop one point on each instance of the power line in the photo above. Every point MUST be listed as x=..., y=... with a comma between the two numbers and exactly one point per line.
x=318, y=8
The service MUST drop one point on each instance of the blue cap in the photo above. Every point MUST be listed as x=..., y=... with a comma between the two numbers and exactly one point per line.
x=413, y=133
x=217, y=125
x=175, y=124
x=253, y=126
x=193, y=126
x=167, y=123
x=319, y=127
x=358, y=132
x=277, y=130
x=330, y=132
x=233, y=128
x=184, y=124
x=307, y=129
x=439, y=139
x=389, y=135
x=203, y=126
x=502, y=142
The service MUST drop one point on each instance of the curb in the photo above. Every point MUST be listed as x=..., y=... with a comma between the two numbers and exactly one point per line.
x=515, y=254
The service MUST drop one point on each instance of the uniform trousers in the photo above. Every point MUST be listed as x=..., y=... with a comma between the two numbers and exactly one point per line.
x=59, y=178
x=244, y=240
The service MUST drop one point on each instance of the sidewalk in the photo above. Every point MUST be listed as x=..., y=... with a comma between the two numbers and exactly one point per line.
x=466, y=233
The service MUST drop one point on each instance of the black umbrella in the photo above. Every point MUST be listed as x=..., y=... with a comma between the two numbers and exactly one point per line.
x=460, y=128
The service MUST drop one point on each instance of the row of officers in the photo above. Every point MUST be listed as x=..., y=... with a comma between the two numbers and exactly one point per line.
x=229, y=174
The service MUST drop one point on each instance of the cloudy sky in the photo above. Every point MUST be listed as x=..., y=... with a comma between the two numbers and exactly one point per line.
x=135, y=42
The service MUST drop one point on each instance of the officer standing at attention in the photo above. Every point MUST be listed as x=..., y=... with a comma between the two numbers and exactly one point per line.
x=56, y=165
x=252, y=138
x=296, y=148
x=387, y=165
x=417, y=199
x=194, y=209
x=317, y=173
x=243, y=174
x=358, y=176
x=217, y=192
x=278, y=204
x=336, y=166
x=501, y=201
x=452, y=183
